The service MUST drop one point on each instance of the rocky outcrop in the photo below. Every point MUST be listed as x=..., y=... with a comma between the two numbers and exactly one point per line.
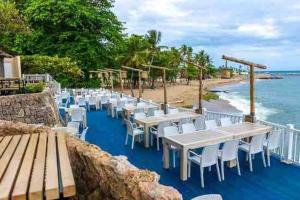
x=99, y=175
x=30, y=108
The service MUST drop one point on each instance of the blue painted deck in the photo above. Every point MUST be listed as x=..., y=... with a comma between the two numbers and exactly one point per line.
x=280, y=181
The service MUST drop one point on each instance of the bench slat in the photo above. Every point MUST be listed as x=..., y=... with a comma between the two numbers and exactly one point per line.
x=9, y=177
x=4, y=142
x=51, y=179
x=8, y=154
x=67, y=178
x=22, y=182
x=37, y=177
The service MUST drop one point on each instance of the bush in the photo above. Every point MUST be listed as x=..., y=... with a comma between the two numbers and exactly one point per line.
x=63, y=70
x=35, y=87
x=210, y=96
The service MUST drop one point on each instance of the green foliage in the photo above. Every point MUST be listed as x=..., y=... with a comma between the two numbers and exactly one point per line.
x=35, y=87
x=12, y=27
x=210, y=96
x=63, y=70
x=86, y=31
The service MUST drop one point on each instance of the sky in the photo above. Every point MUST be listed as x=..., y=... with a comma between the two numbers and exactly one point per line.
x=262, y=31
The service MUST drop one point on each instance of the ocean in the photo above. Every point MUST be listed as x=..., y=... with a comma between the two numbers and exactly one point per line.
x=277, y=100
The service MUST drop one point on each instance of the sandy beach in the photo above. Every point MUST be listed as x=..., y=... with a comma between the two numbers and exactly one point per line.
x=187, y=95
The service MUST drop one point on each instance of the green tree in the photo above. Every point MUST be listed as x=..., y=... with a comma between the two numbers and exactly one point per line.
x=86, y=31
x=154, y=38
x=12, y=26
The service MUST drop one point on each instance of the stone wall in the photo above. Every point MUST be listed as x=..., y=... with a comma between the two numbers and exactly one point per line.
x=30, y=108
x=99, y=175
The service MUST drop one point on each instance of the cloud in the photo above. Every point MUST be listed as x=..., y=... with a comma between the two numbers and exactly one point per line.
x=265, y=31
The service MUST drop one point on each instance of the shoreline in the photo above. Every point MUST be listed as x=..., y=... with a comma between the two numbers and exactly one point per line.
x=182, y=95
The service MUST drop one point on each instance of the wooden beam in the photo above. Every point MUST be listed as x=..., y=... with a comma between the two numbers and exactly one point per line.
x=156, y=67
x=244, y=62
x=140, y=87
x=133, y=69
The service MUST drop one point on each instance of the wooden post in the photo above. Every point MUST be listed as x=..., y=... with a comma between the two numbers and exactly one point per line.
x=252, y=95
x=121, y=82
x=200, y=91
x=165, y=91
x=111, y=81
x=140, y=87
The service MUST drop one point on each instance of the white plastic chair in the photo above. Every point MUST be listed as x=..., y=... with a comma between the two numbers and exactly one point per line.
x=93, y=101
x=81, y=102
x=229, y=152
x=140, y=105
x=83, y=133
x=76, y=115
x=150, y=112
x=103, y=101
x=208, y=197
x=119, y=108
x=207, y=158
x=139, y=115
x=169, y=131
x=133, y=131
x=188, y=128
x=211, y=124
x=158, y=113
x=183, y=121
x=255, y=146
x=158, y=133
x=226, y=122
x=272, y=143
x=200, y=123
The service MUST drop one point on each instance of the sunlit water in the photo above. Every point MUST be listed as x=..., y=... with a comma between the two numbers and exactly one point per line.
x=277, y=100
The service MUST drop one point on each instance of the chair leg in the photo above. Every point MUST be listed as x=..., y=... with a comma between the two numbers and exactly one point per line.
x=202, y=177
x=268, y=157
x=140, y=139
x=209, y=168
x=151, y=139
x=126, y=139
x=218, y=171
x=189, y=168
x=247, y=156
x=174, y=159
x=157, y=142
x=250, y=162
x=263, y=158
x=238, y=166
x=222, y=170
x=132, y=142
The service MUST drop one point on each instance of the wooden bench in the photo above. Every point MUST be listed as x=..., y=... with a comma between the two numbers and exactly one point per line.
x=35, y=166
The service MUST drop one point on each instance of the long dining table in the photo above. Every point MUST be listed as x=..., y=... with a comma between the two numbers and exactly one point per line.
x=155, y=120
x=198, y=139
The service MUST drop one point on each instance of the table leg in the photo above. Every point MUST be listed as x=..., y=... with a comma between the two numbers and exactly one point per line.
x=166, y=155
x=66, y=117
x=183, y=164
x=146, y=136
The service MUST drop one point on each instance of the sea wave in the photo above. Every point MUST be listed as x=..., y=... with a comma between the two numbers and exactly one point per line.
x=243, y=104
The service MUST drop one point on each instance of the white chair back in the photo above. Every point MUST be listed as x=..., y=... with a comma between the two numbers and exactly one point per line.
x=170, y=130
x=200, y=123
x=274, y=140
x=210, y=155
x=81, y=101
x=256, y=143
x=211, y=124
x=76, y=115
x=150, y=111
x=188, y=128
x=140, y=105
x=158, y=113
x=74, y=106
x=129, y=127
x=226, y=122
x=139, y=110
x=139, y=115
x=92, y=100
x=83, y=133
x=160, y=128
x=230, y=150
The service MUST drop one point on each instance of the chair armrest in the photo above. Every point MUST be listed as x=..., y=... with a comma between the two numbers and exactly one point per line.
x=153, y=129
x=193, y=153
x=243, y=142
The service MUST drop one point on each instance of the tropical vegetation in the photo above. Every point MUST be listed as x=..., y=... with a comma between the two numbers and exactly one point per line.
x=71, y=37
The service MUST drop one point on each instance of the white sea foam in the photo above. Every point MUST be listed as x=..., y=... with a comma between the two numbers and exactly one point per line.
x=243, y=104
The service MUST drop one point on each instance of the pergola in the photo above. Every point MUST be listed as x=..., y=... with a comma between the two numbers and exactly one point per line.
x=200, y=77
x=139, y=73
x=164, y=83
x=251, y=117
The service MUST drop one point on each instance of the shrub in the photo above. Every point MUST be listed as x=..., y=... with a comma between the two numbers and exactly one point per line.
x=210, y=96
x=63, y=70
x=35, y=87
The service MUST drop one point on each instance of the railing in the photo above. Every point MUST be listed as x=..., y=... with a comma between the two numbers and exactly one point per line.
x=289, y=151
x=47, y=78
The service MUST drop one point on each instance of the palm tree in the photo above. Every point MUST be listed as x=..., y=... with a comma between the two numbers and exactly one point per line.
x=154, y=38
